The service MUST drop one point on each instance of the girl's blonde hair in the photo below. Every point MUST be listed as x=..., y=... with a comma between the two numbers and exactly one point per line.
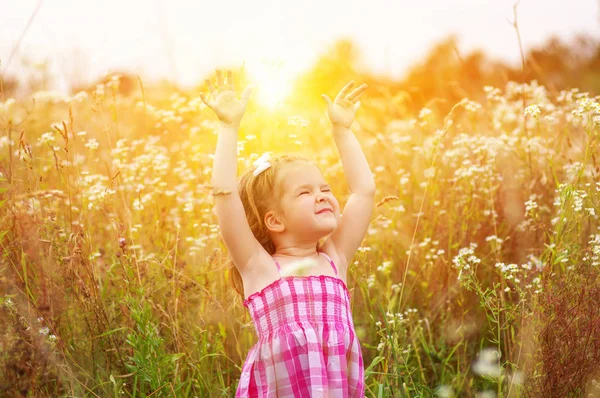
x=259, y=194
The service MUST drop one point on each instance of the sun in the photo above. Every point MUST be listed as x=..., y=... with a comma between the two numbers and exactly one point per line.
x=272, y=79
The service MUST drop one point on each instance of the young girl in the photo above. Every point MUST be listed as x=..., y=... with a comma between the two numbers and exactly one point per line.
x=271, y=223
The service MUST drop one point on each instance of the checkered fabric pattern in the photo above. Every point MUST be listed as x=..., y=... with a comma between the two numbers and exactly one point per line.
x=307, y=345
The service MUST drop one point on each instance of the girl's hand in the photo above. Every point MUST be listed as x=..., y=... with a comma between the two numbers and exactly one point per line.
x=224, y=103
x=341, y=112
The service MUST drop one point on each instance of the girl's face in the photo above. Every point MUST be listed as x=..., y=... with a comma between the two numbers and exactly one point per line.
x=307, y=206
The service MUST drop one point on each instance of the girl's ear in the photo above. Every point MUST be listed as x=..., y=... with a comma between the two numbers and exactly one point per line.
x=273, y=222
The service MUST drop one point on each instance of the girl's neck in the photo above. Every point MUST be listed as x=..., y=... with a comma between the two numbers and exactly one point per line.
x=297, y=251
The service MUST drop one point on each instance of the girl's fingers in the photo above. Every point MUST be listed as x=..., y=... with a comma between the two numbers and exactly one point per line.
x=246, y=95
x=346, y=89
x=211, y=88
x=354, y=94
x=344, y=102
x=230, y=85
x=326, y=98
x=205, y=100
x=220, y=81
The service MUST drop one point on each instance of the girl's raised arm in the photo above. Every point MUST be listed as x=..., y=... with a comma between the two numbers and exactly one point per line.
x=236, y=233
x=358, y=210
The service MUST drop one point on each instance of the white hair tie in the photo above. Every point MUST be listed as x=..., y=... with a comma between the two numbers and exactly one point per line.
x=262, y=163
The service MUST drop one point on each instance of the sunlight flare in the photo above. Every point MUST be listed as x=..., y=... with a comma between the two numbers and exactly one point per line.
x=273, y=79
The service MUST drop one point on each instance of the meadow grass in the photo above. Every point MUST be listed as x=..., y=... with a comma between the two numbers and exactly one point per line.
x=479, y=274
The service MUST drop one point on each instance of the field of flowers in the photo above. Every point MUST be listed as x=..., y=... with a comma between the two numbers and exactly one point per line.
x=479, y=275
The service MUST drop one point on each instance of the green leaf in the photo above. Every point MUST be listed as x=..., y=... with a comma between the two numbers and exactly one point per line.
x=175, y=357
x=374, y=363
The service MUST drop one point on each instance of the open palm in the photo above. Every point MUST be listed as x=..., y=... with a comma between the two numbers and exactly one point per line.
x=342, y=110
x=224, y=100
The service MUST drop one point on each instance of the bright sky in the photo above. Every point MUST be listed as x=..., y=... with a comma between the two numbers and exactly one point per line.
x=186, y=39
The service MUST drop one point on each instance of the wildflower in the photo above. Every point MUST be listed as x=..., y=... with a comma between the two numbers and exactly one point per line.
x=530, y=205
x=385, y=267
x=92, y=144
x=46, y=138
x=533, y=261
x=399, y=209
x=371, y=281
x=114, y=82
x=9, y=303
x=444, y=391
x=99, y=92
x=5, y=107
x=80, y=96
x=137, y=205
x=471, y=106
x=594, y=247
x=46, y=96
x=517, y=378
x=474, y=259
x=494, y=238
x=297, y=121
x=487, y=363
x=430, y=172
x=94, y=255
x=533, y=110
x=424, y=113
x=425, y=242
x=463, y=259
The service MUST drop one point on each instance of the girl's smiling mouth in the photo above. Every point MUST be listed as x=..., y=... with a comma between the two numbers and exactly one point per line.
x=325, y=210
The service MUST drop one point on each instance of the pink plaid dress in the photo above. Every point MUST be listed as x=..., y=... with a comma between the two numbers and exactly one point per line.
x=307, y=346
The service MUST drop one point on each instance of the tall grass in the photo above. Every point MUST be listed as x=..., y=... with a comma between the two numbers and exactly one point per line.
x=478, y=275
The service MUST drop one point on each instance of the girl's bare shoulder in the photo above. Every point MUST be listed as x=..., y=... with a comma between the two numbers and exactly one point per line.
x=340, y=262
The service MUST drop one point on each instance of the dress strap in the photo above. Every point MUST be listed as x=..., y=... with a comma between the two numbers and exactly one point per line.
x=330, y=262
x=278, y=266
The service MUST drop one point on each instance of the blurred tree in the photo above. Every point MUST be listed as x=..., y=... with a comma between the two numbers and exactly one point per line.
x=436, y=77
x=444, y=76
x=8, y=86
x=329, y=74
x=128, y=83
